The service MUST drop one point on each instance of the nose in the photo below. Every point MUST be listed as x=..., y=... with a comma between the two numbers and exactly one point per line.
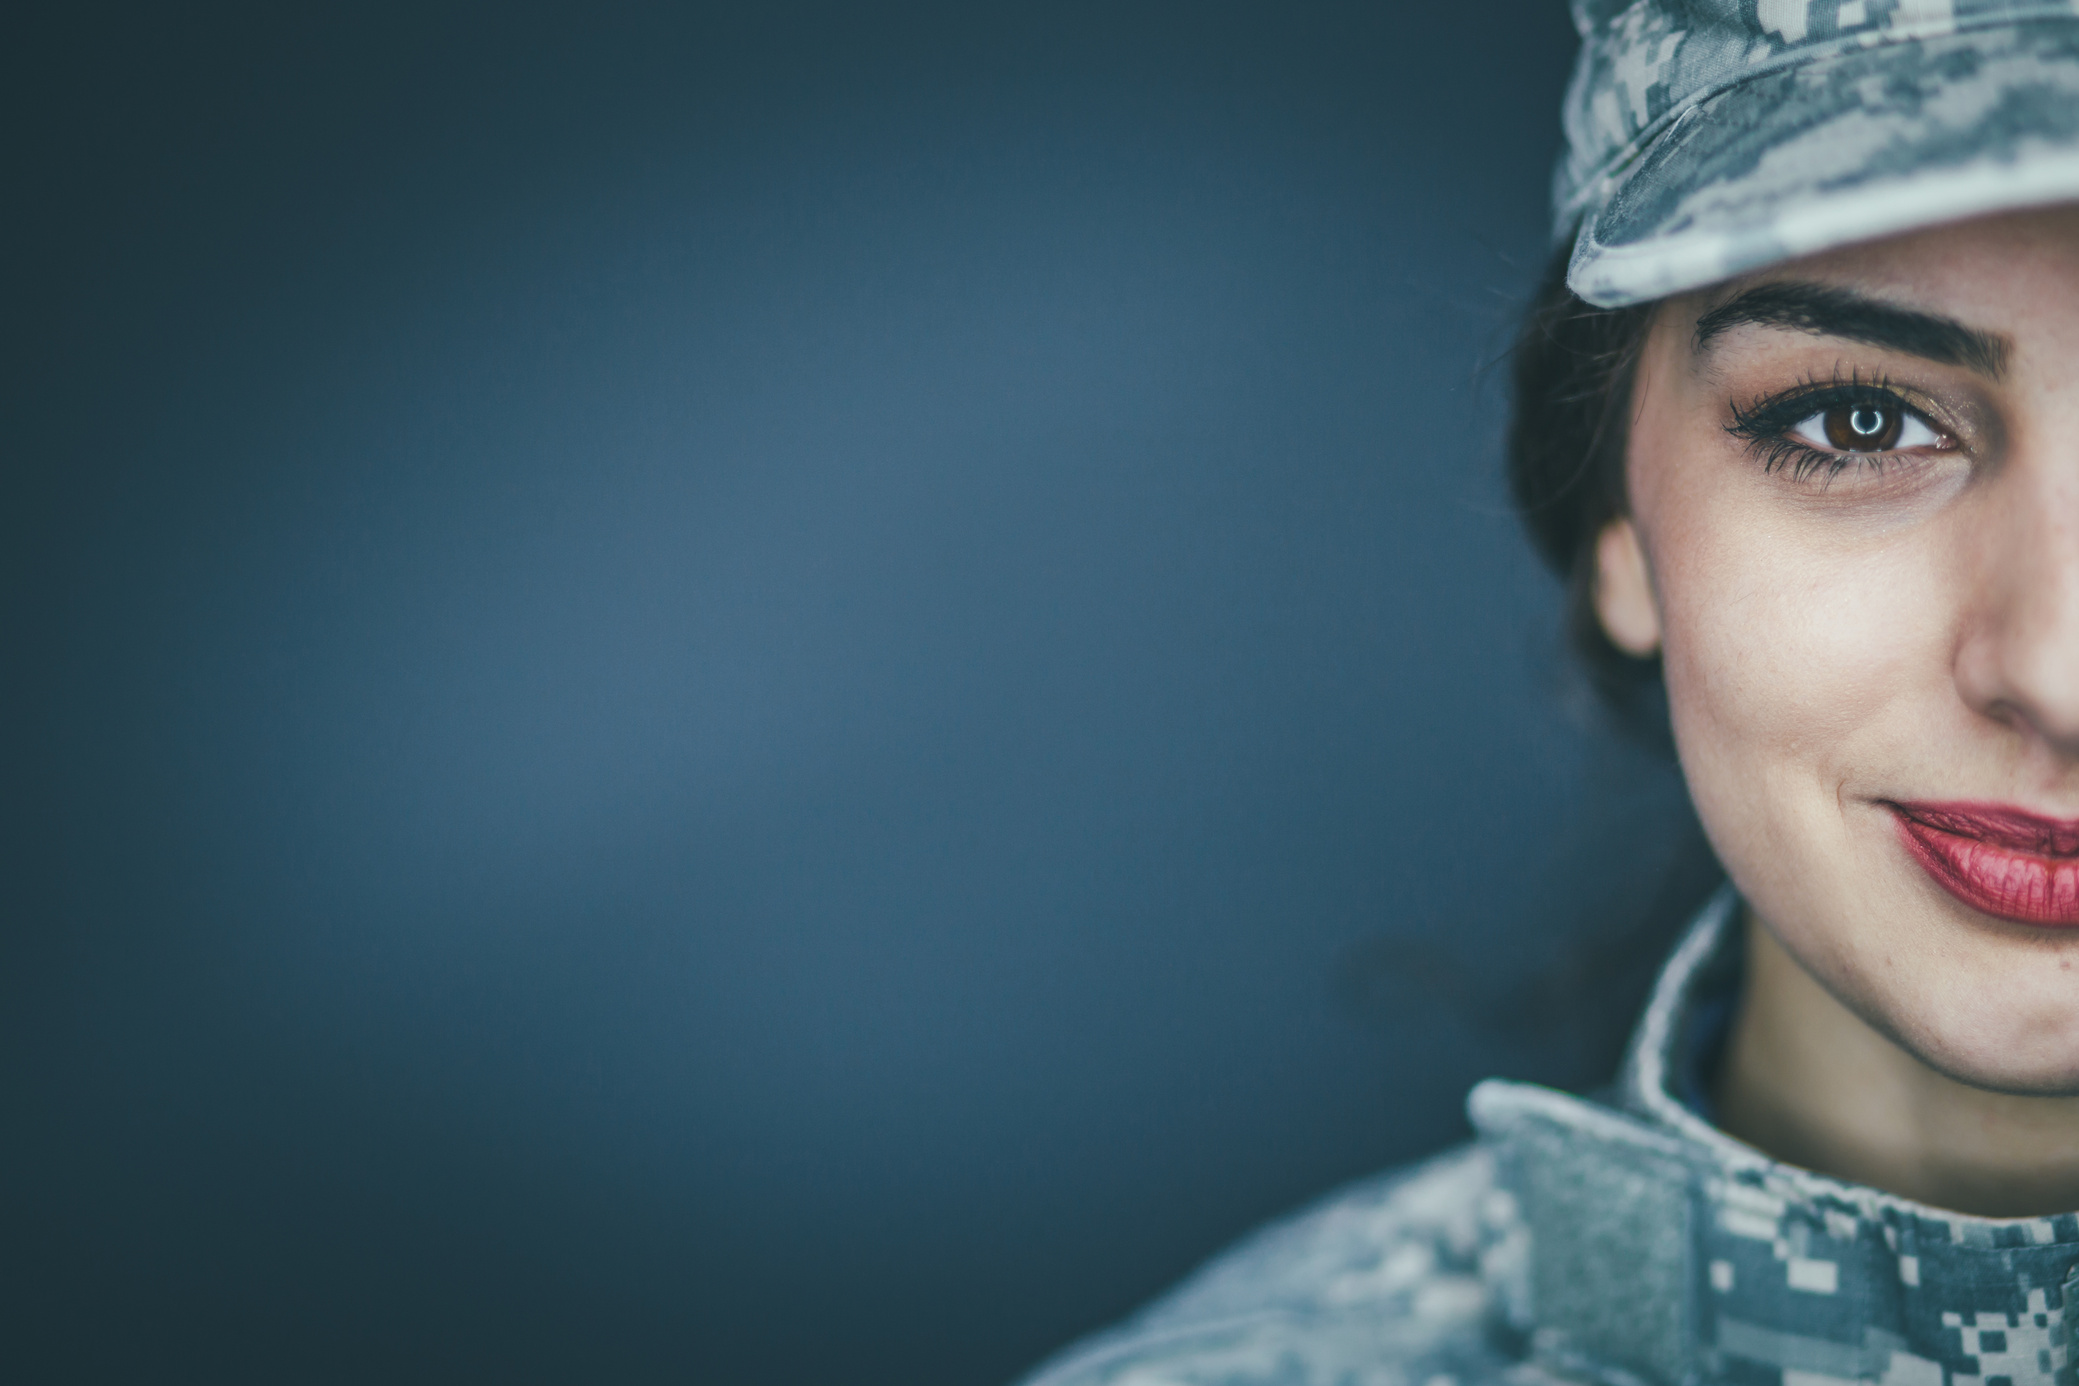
x=2018, y=660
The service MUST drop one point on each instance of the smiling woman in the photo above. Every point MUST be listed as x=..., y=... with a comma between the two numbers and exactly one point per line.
x=1854, y=539
x=1796, y=422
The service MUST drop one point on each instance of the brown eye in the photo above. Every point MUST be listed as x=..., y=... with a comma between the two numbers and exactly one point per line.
x=1863, y=427
x=1870, y=424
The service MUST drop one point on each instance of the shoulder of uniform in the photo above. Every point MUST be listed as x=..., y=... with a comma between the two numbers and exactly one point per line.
x=1396, y=1267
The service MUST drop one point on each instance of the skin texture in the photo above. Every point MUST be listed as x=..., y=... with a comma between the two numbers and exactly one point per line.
x=1903, y=632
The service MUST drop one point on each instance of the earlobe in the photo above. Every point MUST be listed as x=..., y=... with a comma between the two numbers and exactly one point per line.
x=1624, y=600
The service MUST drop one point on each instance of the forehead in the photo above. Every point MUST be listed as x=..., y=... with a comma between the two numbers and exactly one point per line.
x=1983, y=261
x=2014, y=275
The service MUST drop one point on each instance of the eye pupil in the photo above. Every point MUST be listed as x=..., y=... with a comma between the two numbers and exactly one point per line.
x=1863, y=427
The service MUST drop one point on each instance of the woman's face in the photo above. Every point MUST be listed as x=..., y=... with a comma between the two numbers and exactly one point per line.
x=1854, y=483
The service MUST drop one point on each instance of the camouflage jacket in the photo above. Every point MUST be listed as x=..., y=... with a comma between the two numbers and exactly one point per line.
x=1625, y=1242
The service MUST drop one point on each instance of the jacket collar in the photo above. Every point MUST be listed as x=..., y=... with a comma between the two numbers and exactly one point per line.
x=1662, y=1251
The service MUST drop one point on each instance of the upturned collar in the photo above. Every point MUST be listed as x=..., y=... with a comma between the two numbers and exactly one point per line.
x=1664, y=1252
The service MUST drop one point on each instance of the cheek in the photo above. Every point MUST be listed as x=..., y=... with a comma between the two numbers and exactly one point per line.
x=1769, y=644
x=1802, y=664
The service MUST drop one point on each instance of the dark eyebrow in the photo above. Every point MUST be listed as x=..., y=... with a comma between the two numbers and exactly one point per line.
x=1830, y=312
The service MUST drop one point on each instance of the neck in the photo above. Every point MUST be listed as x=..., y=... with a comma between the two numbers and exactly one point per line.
x=1807, y=1081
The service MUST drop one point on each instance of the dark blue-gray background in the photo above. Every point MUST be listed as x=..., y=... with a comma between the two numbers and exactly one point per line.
x=759, y=695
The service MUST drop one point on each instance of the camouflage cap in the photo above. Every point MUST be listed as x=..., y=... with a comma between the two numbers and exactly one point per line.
x=1707, y=138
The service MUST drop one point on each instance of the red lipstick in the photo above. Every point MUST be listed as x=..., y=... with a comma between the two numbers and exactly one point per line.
x=2007, y=862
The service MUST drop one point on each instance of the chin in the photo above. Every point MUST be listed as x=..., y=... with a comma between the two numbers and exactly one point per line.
x=2049, y=1079
x=2021, y=1043
x=1986, y=1002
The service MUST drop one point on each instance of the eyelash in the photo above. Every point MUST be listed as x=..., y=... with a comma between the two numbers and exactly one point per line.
x=1766, y=424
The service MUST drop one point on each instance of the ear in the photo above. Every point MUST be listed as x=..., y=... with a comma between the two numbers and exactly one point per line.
x=1624, y=599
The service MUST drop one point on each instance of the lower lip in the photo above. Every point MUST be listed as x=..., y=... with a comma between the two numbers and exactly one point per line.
x=1981, y=856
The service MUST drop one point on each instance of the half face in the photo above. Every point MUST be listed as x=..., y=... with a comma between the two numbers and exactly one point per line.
x=1854, y=483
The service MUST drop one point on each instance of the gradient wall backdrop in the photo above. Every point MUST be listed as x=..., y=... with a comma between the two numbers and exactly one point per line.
x=759, y=694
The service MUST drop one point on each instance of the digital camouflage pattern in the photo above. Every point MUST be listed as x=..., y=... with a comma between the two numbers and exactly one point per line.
x=1706, y=138
x=1627, y=1243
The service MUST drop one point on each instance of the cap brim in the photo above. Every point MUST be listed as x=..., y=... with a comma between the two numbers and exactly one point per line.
x=1861, y=145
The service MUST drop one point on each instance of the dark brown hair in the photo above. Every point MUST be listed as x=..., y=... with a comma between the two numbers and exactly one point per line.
x=1573, y=367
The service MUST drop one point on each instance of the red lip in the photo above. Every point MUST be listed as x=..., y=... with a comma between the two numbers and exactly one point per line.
x=2006, y=862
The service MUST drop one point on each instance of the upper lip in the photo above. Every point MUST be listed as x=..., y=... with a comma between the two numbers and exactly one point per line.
x=2000, y=825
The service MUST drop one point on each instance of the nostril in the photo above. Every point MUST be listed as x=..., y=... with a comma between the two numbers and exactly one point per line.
x=2027, y=680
